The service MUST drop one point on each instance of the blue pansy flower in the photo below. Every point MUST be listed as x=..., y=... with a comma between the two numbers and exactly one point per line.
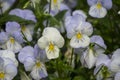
x=12, y=38
x=98, y=8
x=31, y=58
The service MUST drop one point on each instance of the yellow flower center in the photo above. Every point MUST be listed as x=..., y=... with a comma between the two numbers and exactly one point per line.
x=12, y=40
x=23, y=28
x=99, y=5
x=78, y=35
x=38, y=64
x=2, y=75
x=55, y=1
x=51, y=47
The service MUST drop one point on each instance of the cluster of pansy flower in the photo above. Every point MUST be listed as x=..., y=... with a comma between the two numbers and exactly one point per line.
x=89, y=47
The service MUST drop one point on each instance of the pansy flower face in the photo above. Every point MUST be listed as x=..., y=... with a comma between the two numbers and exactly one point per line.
x=78, y=30
x=12, y=38
x=98, y=8
x=51, y=41
x=32, y=62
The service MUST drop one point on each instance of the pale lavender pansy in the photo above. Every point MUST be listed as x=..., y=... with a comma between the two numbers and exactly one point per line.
x=12, y=38
x=98, y=8
x=32, y=62
x=78, y=30
x=89, y=56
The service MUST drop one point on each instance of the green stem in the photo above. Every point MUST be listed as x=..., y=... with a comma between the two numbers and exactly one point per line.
x=47, y=23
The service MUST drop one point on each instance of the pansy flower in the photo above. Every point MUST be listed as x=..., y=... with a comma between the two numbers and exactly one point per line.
x=51, y=41
x=27, y=30
x=78, y=30
x=89, y=56
x=8, y=65
x=12, y=38
x=98, y=8
x=31, y=58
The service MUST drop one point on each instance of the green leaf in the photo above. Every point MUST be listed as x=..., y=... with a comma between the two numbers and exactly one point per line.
x=24, y=76
x=60, y=15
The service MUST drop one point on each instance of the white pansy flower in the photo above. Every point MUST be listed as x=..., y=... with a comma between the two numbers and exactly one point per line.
x=8, y=65
x=51, y=41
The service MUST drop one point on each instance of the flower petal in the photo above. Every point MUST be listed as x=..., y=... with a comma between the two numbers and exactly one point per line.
x=15, y=46
x=52, y=54
x=3, y=37
x=85, y=28
x=10, y=55
x=25, y=52
x=98, y=40
x=90, y=58
x=43, y=42
x=10, y=71
x=115, y=65
x=92, y=2
x=81, y=14
x=77, y=43
x=107, y=4
x=12, y=27
x=117, y=76
x=102, y=59
x=38, y=73
x=29, y=63
x=97, y=13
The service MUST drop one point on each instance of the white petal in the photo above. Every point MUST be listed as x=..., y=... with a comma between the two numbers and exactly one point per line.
x=115, y=65
x=117, y=76
x=9, y=54
x=29, y=63
x=15, y=47
x=43, y=42
x=116, y=54
x=27, y=33
x=59, y=41
x=52, y=54
x=10, y=71
x=98, y=40
x=38, y=73
x=77, y=43
x=98, y=13
x=51, y=33
x=90, y=58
